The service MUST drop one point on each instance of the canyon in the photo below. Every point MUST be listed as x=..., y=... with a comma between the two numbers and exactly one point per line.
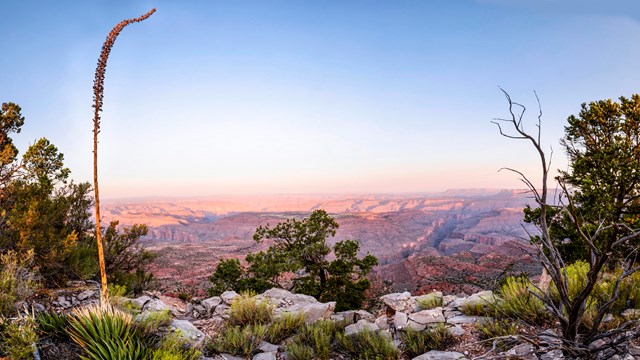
x=453, y=241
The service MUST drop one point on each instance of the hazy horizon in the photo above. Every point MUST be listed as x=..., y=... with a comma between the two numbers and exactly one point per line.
x=282, y=96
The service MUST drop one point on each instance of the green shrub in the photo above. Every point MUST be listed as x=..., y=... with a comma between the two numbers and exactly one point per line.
x=318, y=337
x=149, y=323
x=174, y=347
x=184, y=296
x=242, y=341
x=430, y=301
x=415, y=343
x=17, y=281
x=105, y=333
x=367, y=345
x=83, y=261
x=495, y=328
x=517, y=302
x=53, y=324
x=284, y=326
x=492, y=328
x=297, y=351
x=247, y=310
x=473, y=309
x=19, y=338
x=576, y=278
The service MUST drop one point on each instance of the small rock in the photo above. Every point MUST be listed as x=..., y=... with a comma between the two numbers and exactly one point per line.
x=400, y=320
x=362, y=325
x=228, y=296
x=428, y=316
x=596, y=344
x=189, y=332
x=268, y=347
x=552, y=355
x=382, y=322
x=155, y=305
x=38, y=307
x=400, y=302
x=455, y=330
x=463, y=319
x=75, y=283
x=317, y=311
x=353, y=316
x=440, y=355
x=210, y=303
x=264, y=356
x=85, y=295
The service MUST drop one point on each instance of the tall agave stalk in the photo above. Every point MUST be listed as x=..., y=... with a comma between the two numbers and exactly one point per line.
x=98, y=96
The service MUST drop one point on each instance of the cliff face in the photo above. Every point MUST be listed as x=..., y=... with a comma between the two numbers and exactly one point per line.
x=454, y=231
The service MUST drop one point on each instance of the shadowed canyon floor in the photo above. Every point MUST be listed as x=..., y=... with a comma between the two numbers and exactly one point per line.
x=458, y=240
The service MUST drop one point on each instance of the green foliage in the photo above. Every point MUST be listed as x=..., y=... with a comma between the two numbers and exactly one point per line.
x=105, y=333
x=494, y=328
x=367, y=345
x=19, y=338
x=83, y=261
x=247, y=310
x=151, y=322
x=300, y=247
x=517, y=301
x=415, y=343
x=429, y=301
x=317, y=336
x=17, y=282
x=242, y=341
x=299, y=351
x=174, y=347
x=127, y=261
x=53, y=324
x=284, y=326
x=473, y=309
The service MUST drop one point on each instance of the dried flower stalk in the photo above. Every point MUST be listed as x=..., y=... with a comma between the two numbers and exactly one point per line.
x=98, y=96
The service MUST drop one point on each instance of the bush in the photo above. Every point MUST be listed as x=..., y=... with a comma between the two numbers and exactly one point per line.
x=517, y=302
x=174, y=347
x=284, y=327
x=17, y=282
x=298, y=351
x=247, y=310
x=415, y=343
x=105, y=333
x=317, y=336
x=429, y=301
x=495, y=328
x=19, y=338
x=367, y=345
x=83, y=261
x=473, y=309
x=150, y=323
x=242, y=341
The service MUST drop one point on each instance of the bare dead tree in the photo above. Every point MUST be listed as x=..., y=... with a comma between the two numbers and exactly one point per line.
x=98, y=97
x=568, y=310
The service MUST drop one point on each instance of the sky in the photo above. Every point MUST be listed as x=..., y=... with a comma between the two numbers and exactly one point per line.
x=291, y=96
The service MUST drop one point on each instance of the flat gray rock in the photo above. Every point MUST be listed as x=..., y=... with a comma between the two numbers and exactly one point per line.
x=189, y=332
x=401, y=302
x=228, y=296
x=264, y=356
x=362, y=325
x=440, y=355
x=85, y=295
x=428, y=316
x=317, y=311
x=464, y=319
x=268, y=347
x=210, y=303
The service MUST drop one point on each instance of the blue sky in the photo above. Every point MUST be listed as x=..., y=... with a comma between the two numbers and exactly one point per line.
x=226, y=97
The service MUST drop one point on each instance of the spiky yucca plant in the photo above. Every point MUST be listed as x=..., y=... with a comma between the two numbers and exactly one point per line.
x=98, y=97
x=105, y=333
